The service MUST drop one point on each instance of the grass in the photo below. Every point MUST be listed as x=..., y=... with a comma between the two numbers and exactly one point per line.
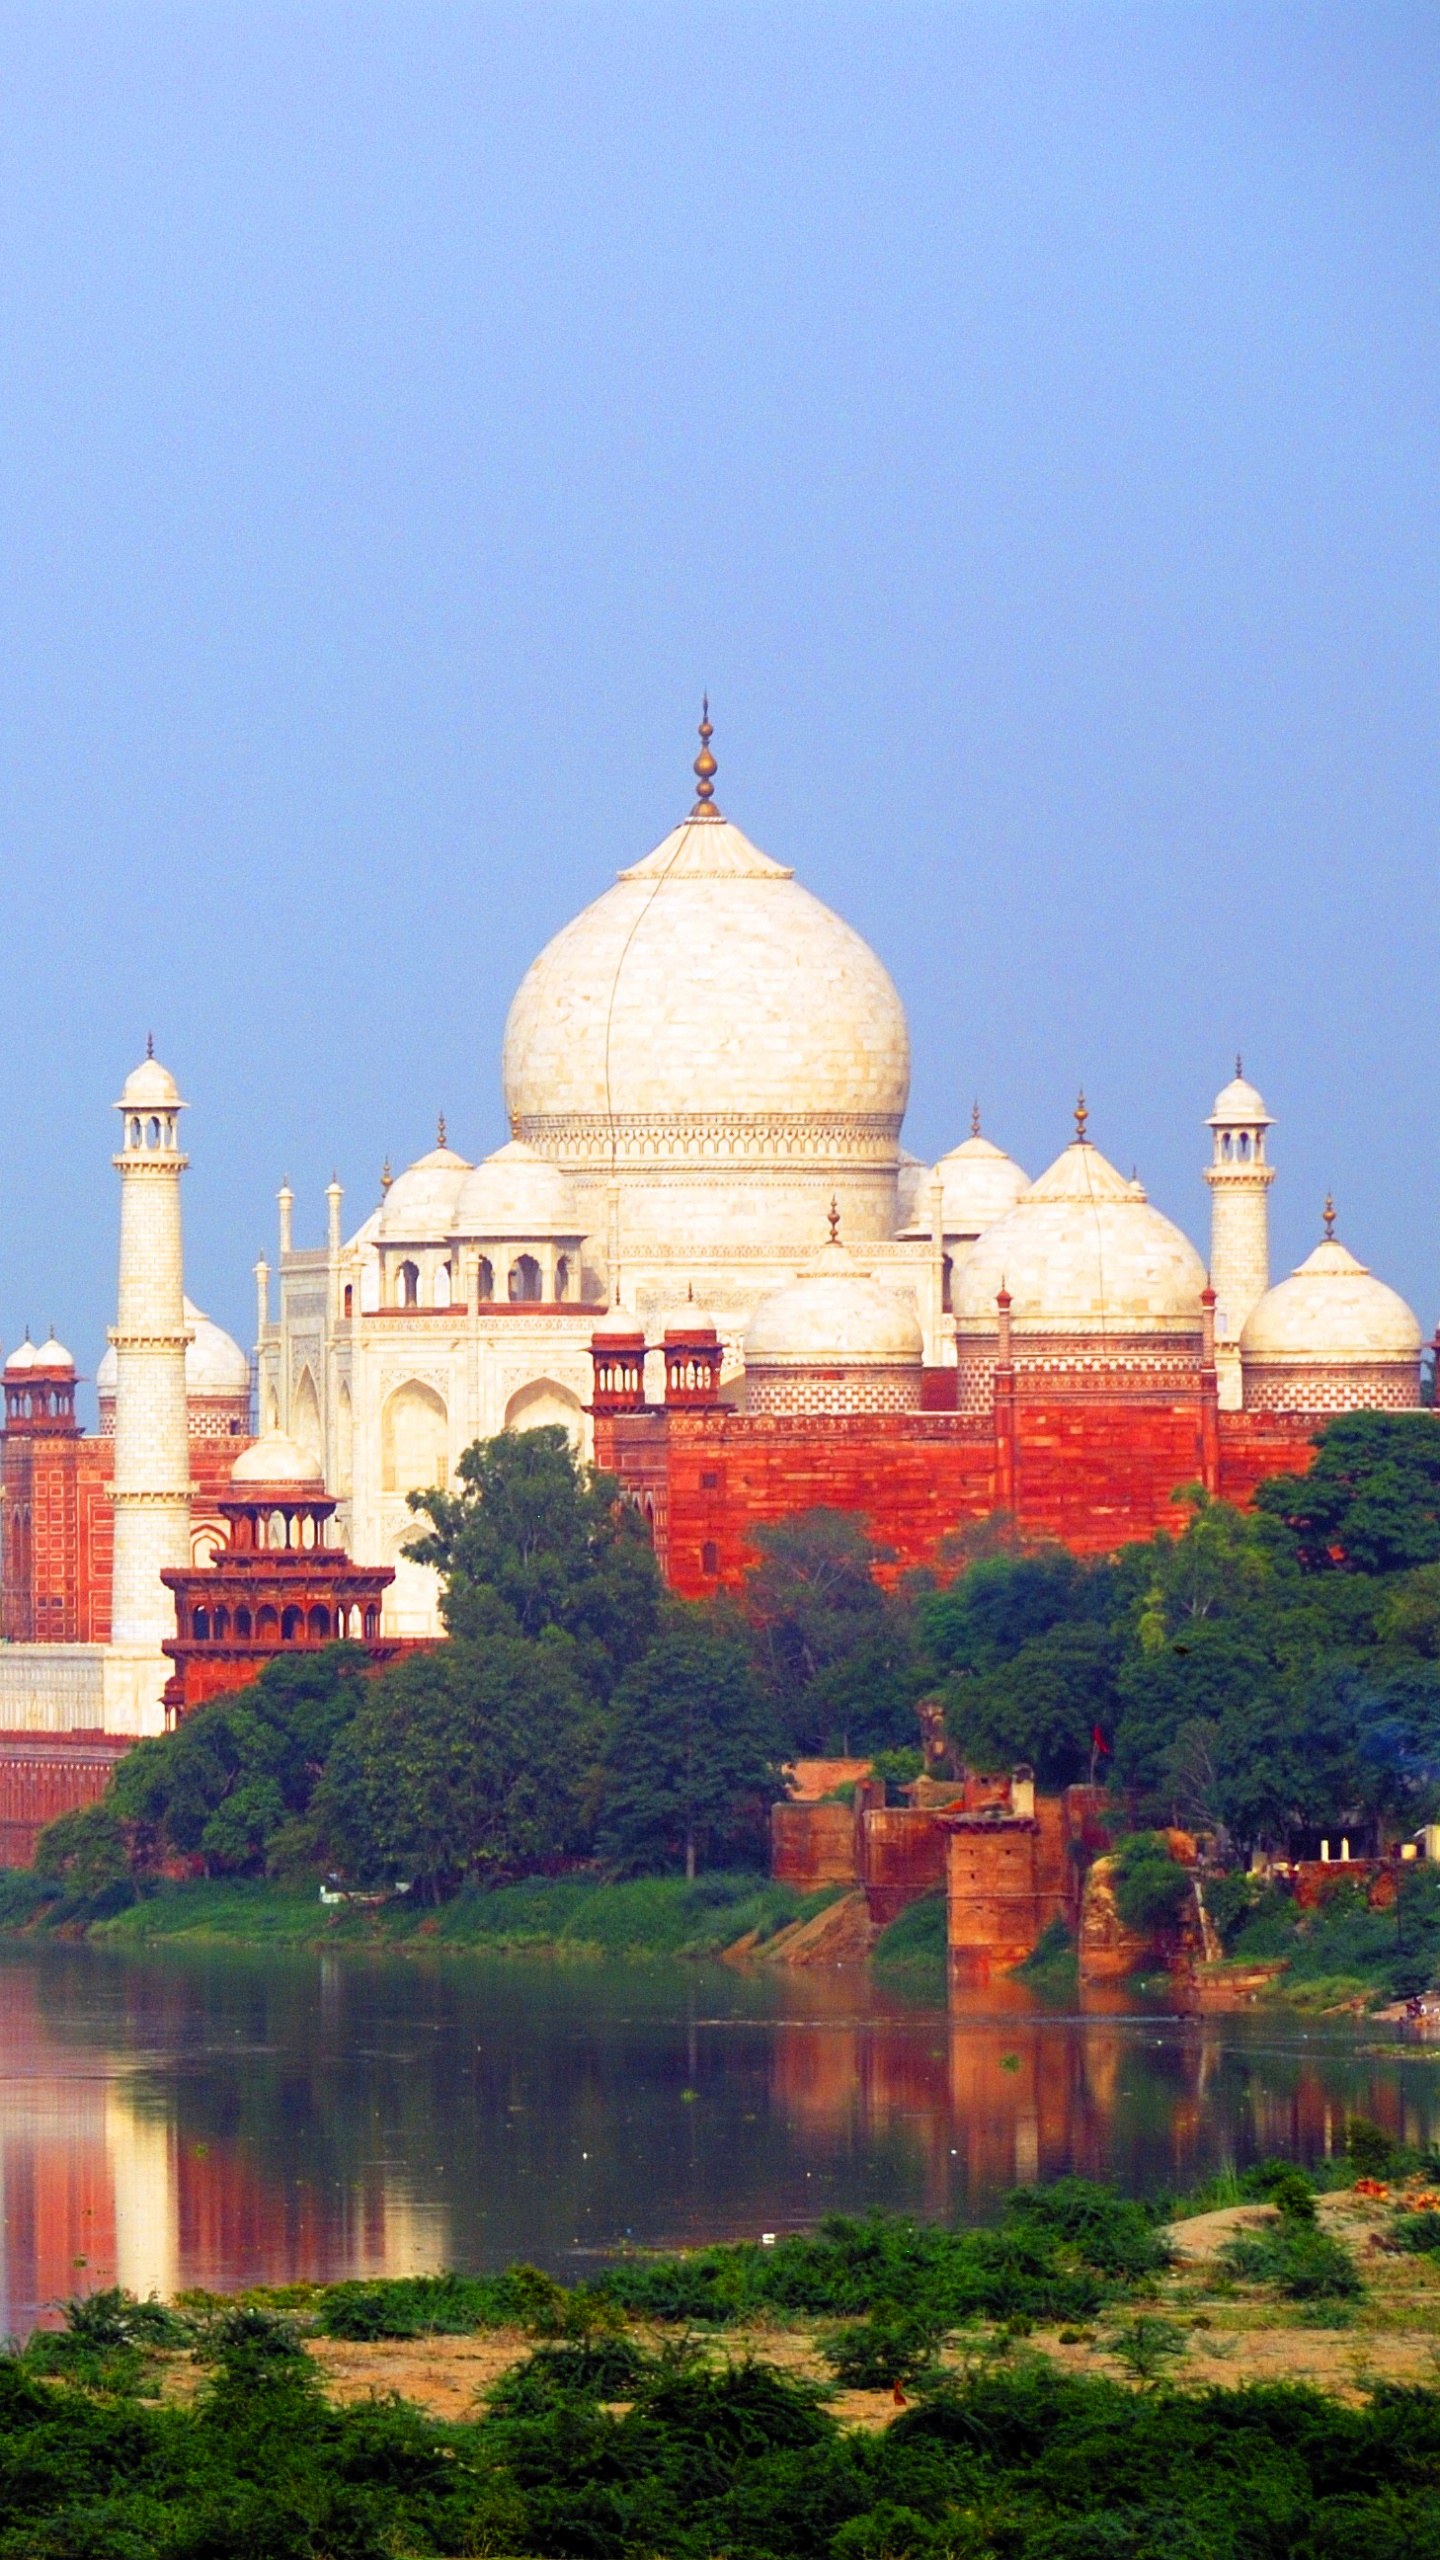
x=912, y=1950
x=575, y=1916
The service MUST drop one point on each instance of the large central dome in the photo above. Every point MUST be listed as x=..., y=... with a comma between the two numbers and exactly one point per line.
x=708, y=1013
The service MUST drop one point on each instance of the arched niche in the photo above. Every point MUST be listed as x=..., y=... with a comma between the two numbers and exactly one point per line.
x=305, y=1416
x=545, y=1400
x=414, y=1439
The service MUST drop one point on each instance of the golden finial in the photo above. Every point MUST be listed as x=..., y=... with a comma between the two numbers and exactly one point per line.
x=440, y=1130
x=834, y=1217
x=975, y=1118
x=149, y=1044
x=1081, y=1116
x=705, y=767
x=1328, y=1214
x=386, y=1177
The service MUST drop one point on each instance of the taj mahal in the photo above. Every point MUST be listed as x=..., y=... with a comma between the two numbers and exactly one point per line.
x=704, y=1251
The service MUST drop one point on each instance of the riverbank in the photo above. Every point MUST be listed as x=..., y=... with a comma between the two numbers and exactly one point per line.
x=576, y=1917
x=1082, y=2377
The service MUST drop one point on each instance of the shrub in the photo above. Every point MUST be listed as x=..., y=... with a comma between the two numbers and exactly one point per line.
x=1371, y=2151
x=1300, y=2261
x=881, y=2351
x=1151, y=1888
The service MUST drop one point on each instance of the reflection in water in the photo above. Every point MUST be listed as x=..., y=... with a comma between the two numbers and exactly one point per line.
x=178, y=2120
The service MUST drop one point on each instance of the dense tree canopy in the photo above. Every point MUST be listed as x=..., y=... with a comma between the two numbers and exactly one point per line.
x=552, y=1540
x=1266, y=1674
x=691, y=1760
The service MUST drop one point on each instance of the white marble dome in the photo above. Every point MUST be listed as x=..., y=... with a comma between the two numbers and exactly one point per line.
x=150, y=1087
x=980, y=1184
x=215, y=1365
x=714, y=1040
x=1082, y=1251
x=420, y=1205
x=1239, y=1103
x=276, y=1459
x=1331, y=1310
x=834, y=1313
x=53, y=1357
x=516, y=1193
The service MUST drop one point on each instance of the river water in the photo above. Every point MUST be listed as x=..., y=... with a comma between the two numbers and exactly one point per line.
x=217, y=2119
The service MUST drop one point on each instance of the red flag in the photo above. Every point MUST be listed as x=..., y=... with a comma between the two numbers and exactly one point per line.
x=1098, y=1741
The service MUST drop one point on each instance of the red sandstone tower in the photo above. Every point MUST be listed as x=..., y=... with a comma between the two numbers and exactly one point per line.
x=275, y=1587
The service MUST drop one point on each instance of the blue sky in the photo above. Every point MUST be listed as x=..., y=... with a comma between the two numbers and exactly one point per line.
x=1022, y=418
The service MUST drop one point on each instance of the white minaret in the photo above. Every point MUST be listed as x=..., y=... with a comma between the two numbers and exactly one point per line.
x=1239, y=1180
x=151, y=1484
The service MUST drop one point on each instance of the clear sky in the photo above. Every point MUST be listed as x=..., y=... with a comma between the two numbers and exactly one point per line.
x=1023, y=418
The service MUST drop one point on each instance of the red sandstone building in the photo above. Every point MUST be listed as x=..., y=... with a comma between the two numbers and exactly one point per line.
x=56, y=1519
x=275, y=1587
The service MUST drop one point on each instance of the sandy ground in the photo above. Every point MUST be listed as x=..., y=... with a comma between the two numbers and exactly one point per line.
x=1233, y=2333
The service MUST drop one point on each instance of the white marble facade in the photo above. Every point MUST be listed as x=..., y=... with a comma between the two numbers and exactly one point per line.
x=695, y=1069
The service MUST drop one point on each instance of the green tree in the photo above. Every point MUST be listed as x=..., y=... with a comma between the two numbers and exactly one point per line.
x=85, y=1851
x=236, y=1772
x=1042, y=1705
x=1001, y=1603
x=554, y=1541
x=691, y=1759
x=815, y=1607
x=476, y=1760
x=1371, y=1501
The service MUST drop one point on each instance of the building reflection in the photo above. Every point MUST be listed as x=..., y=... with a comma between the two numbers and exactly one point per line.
x=100, y=2186
x=991, y=2102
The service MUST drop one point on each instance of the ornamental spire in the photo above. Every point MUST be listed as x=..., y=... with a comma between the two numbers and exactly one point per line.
x=705, y=767
x=440, y=1130
x=975, y=1118
x=1328, y=1214
x=1082, y=1114
x=833, y=1213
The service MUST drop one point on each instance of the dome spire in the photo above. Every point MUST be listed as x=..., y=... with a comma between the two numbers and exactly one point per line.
x=1328, y=1214
x=975, y=1118
x=1239, y=1067
x=440, y=1130
x=705, y=767
x=1082, y=1114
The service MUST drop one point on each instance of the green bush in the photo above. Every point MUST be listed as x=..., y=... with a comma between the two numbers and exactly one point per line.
x=1301, y=2262
x=883, y=2350
x=1152, y=1889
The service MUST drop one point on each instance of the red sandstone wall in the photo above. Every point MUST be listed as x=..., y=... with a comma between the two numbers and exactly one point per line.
x=812, y=1845
x=1256, y=1445
x=902, y=1857
x=1096, y=1472
x=60, y=1530
x=43, y=1775
x=1092, y=1470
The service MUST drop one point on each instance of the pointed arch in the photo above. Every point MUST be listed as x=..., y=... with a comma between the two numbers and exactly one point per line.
x=305, y=1415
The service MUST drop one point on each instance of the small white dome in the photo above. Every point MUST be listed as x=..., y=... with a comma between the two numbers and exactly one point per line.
x=419, y=1207
x=981, y=1183
x=215, y=1365
x=1329, y=1312
x=276, y=1459
x=835, y=1315
x=1239, y=1104
x=150, y=1087
x=52, y=1355
x=1082, y=1251
x=22, y=1358
x=516, y=1193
